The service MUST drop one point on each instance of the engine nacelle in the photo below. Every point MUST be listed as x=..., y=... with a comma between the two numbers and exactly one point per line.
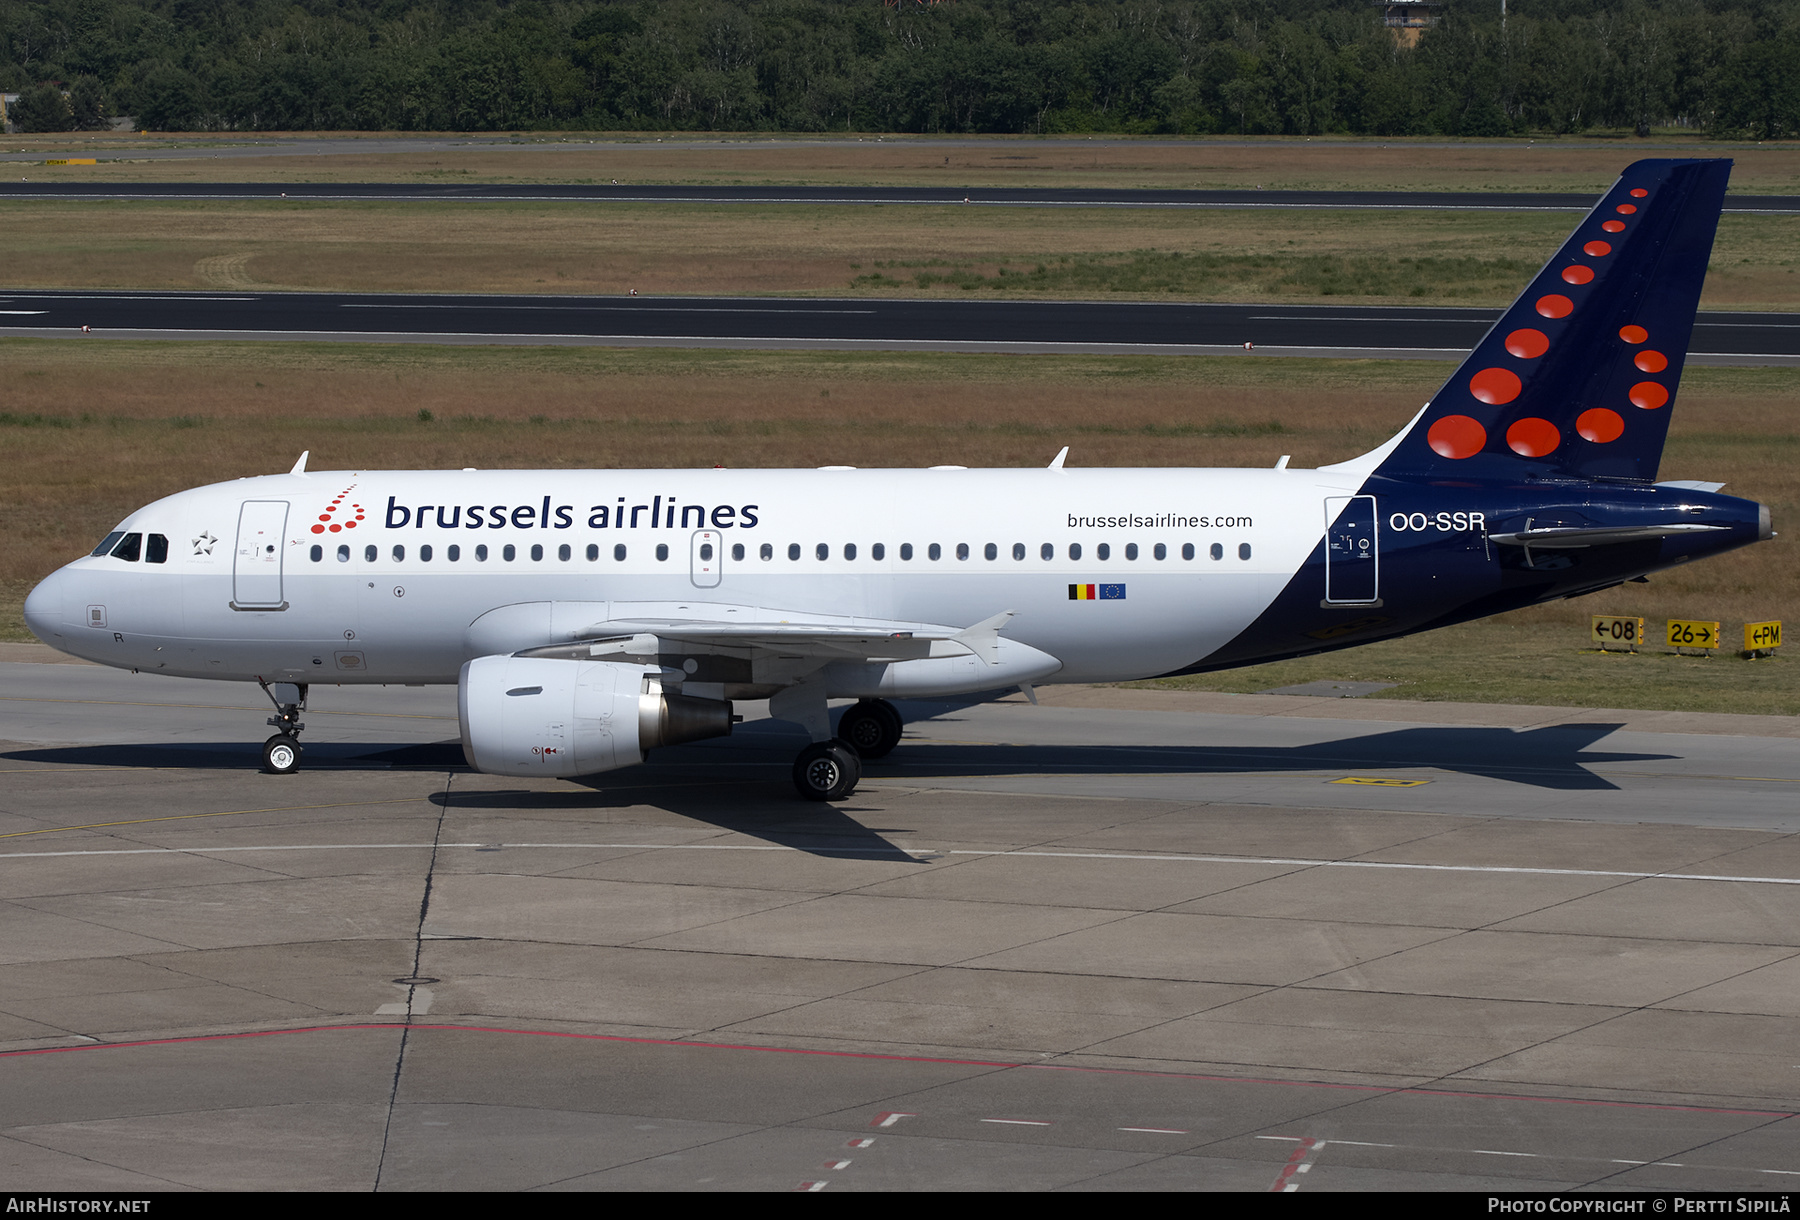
x=543, y=716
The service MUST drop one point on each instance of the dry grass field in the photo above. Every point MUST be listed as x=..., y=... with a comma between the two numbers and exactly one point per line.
x=93, y=430
x=1559, y=164
x=1452, y=258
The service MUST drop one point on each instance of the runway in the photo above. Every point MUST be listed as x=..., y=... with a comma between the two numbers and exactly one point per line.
x=1123, y=940
x=1132, y=327
x=1027, y=197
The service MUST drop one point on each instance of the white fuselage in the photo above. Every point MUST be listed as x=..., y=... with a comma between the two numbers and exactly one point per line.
x=279, y=578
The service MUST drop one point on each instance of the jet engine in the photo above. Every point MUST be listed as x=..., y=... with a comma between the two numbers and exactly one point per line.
x=545, y=716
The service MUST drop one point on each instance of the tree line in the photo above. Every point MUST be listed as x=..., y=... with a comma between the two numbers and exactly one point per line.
x=1729, y=68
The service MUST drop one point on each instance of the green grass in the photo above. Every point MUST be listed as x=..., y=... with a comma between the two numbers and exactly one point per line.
x=1538, y=656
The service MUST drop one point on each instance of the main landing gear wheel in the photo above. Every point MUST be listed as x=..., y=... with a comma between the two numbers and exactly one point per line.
x=872, y=728
x=281, y=755
x=827, y=771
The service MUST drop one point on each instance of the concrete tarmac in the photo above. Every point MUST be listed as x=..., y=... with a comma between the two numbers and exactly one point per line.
x=1122, y=940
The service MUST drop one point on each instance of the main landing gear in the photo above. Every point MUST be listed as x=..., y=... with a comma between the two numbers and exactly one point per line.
x=281, y=753
x=829, y=770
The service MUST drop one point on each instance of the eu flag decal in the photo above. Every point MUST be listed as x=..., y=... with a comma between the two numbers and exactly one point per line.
x=1096, y=593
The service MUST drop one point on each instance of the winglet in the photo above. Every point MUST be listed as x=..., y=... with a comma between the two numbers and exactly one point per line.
x=1056, y=463
x=300, y=466
x=983, y=639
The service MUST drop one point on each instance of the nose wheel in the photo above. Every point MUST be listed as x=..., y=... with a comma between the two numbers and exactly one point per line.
x=281, y=753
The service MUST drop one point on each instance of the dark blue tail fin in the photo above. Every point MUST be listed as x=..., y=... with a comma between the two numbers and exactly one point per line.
x=1578, y=378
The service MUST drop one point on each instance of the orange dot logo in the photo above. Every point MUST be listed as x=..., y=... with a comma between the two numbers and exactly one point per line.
x=1495, y=386
x=1649, y=395
x=1456, y=436
x=1600, y=425
x=1578, y=274
x=1555, y=306
x=1651, y=362
x=1633, y=334
x=1614, y=226
x=1638, y=192
x=1598, y=249
x=1533, y=437
x=1626, y=209
x=1528, y=344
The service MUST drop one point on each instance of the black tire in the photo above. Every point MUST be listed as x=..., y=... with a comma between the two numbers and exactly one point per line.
x=827, y=771
x=281, y=755
x=872, y=728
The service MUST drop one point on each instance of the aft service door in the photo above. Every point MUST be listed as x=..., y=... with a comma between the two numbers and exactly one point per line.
x=1352, y=558
x=706, y=558
x=256, y=563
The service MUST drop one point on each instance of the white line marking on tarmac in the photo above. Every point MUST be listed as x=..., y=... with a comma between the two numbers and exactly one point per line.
x=888, y=1118
x=911, y=852
x=1016, y=1122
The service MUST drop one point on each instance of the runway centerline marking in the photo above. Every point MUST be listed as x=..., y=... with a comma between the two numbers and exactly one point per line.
x=865, y=850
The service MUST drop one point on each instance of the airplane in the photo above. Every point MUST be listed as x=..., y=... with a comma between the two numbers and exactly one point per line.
x=588, y=617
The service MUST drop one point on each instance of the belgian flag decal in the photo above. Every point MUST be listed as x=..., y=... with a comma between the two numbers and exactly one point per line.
x=1096, y=593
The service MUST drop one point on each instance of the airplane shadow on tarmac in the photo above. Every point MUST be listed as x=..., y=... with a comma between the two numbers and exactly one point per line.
x=741, y=783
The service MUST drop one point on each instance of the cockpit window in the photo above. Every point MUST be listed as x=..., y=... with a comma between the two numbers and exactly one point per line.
x=129, y=548
x=107, y=543
x=156, y=549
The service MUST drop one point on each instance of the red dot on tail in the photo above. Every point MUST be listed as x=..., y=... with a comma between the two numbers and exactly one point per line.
x=1598, y=249
x=1651, y=362
x=1633, y=334
x=1527, y=344
x=1578, y=274
x=1614, y=226
x=1638, y=192
x=1533, y=437
x=1456, y=436
x=1626, y=209
x=1555, y=306
x=1600, y=425
x=1649, y=395
x=1495, y=386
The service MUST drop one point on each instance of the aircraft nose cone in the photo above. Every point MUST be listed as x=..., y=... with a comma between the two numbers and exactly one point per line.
x=44, y=608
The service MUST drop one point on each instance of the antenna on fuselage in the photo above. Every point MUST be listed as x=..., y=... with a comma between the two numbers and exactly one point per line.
x=300, y=466
x=1056, y=463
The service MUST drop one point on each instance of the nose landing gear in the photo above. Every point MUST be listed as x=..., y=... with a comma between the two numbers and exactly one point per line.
x=281, y=753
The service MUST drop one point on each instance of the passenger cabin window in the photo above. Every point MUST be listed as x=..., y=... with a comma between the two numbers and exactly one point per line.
x=369, y=554
x=662, y=552
x=563, y=552
x=822, y=551
x=767, y=551
x=906, y=550
x=878, y=552
x=344, y=553
x=1217, y=551
x=509, y=552
x=1103, y=551
x=537, y=553
x=737, y=551
x=793, y=550
x=1187, y=550
x=129, y=548
x=453, y=552
x=1243, y=550
x=1161, y=551
x=425, y=553
x=849, y=550
x=1074, y=550
x=593, y=552
x=399, y=554
x=481, y=553
x=962, y=550
x=934, y=551
x=619, y=552
x=318, y=552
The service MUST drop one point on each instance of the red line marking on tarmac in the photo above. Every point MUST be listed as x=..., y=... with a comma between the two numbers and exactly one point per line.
x=1301, y=1161
x=888, y=1118
x=677, y=1044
